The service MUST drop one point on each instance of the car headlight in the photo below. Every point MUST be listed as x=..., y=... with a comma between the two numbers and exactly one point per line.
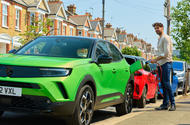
x=55, y=72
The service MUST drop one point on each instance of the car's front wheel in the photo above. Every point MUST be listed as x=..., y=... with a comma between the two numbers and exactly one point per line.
x=127, y=105
x=84, y=106
x=1, y=113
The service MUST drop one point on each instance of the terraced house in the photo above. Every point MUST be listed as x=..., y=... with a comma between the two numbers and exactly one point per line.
x=13, y=21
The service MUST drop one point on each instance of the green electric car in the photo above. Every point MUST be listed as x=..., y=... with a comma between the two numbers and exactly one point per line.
x=65, y=76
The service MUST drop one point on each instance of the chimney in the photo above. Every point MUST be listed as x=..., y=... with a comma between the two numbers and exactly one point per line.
x=89, y=15
x=118, y=31
x=72, y=8
x=108, y=25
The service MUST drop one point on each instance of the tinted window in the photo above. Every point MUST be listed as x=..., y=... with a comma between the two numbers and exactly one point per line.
x=102, y=49
x=114, y=52
x=130, y=60
x=58, y=47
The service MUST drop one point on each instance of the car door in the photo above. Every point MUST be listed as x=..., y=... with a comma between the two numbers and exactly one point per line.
x=150, y=81
x=105, y=70
x=120, y=70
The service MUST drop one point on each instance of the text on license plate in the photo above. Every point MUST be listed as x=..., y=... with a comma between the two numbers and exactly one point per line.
x=10, y=91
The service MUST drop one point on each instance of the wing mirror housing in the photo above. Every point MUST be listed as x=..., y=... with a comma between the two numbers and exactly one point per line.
x=135, y=67
x=104, y=59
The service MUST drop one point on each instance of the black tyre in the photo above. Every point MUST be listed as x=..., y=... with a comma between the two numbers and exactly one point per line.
x=84, y=107
x=1, y=113
x=142, y=101
x=155, y=96
x=127, y=105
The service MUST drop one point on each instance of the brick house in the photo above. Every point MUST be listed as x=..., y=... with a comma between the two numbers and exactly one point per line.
x=83, y=24
x=110, y=34
x=96, y=30
x=61, y=24
x=12, y=15
x=121, y=38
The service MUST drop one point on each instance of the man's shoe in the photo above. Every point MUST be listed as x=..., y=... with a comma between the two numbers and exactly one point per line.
x=162, y=107
x=172, y=108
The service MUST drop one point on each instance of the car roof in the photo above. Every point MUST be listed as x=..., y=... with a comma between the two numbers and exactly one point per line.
x=72, y=37
x=135, y=57
x=178, y=61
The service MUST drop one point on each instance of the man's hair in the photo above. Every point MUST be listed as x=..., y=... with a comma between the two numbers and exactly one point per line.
x=157, y=24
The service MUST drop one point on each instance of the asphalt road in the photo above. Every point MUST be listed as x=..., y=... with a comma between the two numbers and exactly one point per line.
x=108, y=116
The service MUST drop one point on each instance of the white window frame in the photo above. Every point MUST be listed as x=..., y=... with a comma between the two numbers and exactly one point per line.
x=59, y=27
x=4, y=14
x=41, y=18
x=64, y=30
x=71, y=31
x=31, y=18
x=17, y=26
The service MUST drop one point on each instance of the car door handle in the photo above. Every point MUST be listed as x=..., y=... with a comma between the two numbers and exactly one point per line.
x=126, y=70
x=114, y=70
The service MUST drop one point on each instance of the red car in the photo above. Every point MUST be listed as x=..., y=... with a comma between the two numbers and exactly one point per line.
x=145, y=83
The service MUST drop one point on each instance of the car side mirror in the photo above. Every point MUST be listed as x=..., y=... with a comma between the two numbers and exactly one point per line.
x=104, y=59
x=135, y=67
x=175, y=73
x=12, y=51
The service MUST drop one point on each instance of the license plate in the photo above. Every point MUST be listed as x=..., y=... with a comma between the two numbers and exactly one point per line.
x=10, y=91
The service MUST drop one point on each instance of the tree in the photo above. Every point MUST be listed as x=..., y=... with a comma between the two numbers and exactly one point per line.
x=181, y=28
x=39, y=28
x=131, y=51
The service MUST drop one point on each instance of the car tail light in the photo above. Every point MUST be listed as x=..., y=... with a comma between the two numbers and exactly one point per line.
x=138, y=73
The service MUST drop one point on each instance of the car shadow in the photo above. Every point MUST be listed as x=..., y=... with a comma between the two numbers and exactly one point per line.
x=28, y=119
x=101, y=115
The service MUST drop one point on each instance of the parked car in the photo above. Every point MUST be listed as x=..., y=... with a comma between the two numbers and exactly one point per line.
x=180, y=69
x=66, y=76
x=174, y=82
x=146, y=83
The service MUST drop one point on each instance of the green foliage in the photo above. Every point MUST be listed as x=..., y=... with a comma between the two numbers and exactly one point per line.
x=40, y=28
x=181, y=28
x=131, y=51
x=178, y=59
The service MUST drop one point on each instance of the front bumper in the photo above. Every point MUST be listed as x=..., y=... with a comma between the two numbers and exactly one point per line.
x=37, y=104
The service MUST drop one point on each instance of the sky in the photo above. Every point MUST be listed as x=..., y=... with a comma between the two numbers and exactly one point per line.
x=134, y=16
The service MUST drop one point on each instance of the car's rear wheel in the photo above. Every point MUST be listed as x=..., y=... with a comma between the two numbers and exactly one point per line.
x=84, y=107
x=155, y=96
x=1, y=113
x=127, y=105
x=142, y=100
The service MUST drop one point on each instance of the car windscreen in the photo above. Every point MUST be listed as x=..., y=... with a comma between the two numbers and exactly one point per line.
x=178, y=66
x=58, y=47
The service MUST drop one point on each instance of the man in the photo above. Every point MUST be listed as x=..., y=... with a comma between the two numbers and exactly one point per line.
x=164, y=58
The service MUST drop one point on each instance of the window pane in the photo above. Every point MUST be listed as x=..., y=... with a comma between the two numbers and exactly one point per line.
x=116, y=55
x=64, y=30
x=102, y=49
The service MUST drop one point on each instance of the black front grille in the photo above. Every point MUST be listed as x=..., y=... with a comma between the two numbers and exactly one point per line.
x=19, y=84
x=25, y=102
x=19, y=71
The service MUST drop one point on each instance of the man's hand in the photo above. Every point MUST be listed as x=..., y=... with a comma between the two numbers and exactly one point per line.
x=153, y=60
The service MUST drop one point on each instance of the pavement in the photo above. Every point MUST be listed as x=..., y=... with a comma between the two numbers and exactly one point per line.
x=108, y=116
x=148, y=115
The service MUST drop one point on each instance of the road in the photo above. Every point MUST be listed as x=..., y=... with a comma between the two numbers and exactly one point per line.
x=146, y=116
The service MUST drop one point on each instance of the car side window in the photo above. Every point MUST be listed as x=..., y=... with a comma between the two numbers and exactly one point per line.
x=114, y=52
x=101, y=49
